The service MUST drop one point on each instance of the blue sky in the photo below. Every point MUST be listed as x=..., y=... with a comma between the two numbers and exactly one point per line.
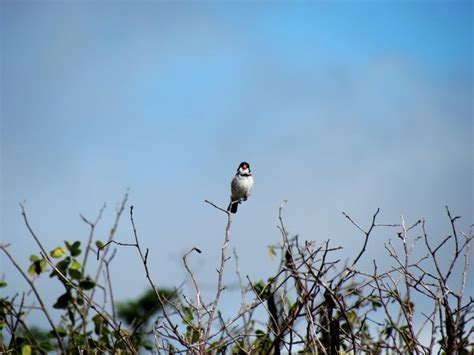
x=338, y=106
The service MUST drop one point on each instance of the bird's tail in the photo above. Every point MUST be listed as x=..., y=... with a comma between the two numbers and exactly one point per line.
x=233, y=206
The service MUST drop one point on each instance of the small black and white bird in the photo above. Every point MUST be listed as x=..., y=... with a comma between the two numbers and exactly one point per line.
x=241, y=186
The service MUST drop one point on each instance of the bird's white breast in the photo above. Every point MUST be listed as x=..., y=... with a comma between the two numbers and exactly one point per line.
x=242, y=186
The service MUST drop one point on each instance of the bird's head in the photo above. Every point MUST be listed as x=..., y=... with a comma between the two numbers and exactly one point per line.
x=244, y=168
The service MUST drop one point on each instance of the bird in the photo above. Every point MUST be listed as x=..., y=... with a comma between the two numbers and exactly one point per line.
x=240, y=187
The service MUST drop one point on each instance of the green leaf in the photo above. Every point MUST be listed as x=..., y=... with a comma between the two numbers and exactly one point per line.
x=76, y=250
x=32, y=270
x=75, y=270
x=73, y=248
x=79, y=300
x=26, y=350
x=219, y=347
x=188, y=311
x=57, y=252
x=351, y=316
x=63, y=301
x=46, y=346
x=147, y=345
x=261, y=289
x=75, y=274
x=98, y=324
x=37, y=267
x=61, y=331
x=71, y=316
x=376, y=304
x=271, y=252
x=76, y=265
x=87, y=284
x=34, y=258
x=192, y=334
x=43, y=265
x=353, y=291
x=64, y=264
x=99, y=244
x=3, y=284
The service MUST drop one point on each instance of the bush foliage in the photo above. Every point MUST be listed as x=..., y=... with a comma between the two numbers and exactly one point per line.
x=313, y=303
